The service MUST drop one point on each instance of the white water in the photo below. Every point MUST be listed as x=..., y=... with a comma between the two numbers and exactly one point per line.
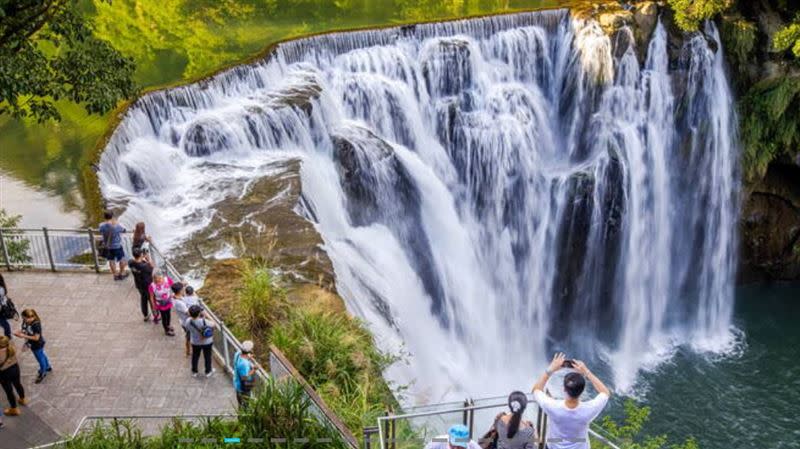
x=487, y=190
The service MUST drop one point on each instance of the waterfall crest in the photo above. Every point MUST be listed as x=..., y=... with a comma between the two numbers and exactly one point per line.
x=487, y=189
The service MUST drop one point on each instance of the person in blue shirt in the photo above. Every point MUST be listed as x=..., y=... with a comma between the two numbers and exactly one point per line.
x=111, y=246
x=244, y=372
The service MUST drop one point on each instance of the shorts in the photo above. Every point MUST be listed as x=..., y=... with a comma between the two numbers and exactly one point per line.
x=117, y=254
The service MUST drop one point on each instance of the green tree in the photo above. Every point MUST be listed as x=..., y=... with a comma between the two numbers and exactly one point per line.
x=16, y=246
x=628, y=433
x=48, y=52
x=689, y=14
x=788, y=38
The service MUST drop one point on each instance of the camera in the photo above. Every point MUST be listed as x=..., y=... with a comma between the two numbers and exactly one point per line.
x=569, y=363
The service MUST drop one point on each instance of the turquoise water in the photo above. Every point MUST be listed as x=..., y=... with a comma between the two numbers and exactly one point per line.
x=747, y=400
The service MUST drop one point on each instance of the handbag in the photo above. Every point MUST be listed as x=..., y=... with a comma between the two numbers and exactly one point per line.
x=8, y=310
x=489, y=439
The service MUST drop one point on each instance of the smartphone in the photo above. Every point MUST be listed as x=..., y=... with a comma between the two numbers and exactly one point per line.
x=569, y=363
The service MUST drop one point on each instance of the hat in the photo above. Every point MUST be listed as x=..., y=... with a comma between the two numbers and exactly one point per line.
x=247, y=346
x=458, y=435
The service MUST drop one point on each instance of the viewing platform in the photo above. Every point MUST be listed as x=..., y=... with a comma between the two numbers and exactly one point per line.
x=106, y=360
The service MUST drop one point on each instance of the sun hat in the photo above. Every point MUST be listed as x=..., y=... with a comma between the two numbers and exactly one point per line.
x=247, y=346
x=458, y=435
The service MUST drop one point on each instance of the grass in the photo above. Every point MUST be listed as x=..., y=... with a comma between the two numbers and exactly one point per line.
x=333, y=351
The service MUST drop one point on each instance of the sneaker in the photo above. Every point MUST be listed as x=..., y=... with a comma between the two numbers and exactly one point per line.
x=49, y=369
x=24, y=401
x=11, y=411
x=117, y=277
x=211, y=373
x=39, y=378
x=194, y=374
x=170, y=333
x=124, y=275
x=147, y=318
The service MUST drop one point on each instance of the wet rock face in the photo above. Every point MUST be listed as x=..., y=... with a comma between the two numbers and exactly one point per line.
x=205, y=137
x=770, y=227
x=447, y=67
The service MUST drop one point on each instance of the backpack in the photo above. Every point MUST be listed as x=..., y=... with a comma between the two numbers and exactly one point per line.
x=206, y=331
x=8, y=310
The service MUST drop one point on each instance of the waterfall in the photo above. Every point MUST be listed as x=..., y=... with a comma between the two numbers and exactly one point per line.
x=488, y=190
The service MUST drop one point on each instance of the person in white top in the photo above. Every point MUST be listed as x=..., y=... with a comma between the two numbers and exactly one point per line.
x=569, y=418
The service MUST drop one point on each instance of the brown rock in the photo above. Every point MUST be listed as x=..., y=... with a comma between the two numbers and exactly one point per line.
x=612, y=21
x=646, y=15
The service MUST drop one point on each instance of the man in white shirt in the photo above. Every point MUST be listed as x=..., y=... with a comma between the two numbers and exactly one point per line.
x=569, y=418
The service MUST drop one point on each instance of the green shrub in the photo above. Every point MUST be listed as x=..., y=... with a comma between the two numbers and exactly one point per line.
x=261, y=300
x=770, y=123
x=788, y=38
x=17, y=246
x=338, y=357
x=739, y=39
x=628, y=433
x=689, y=14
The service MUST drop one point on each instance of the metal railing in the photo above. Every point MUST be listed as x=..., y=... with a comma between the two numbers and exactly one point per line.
x=77, y=249
x=422, y=426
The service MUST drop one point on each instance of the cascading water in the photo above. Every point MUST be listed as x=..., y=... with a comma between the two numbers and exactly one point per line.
x=486, y=189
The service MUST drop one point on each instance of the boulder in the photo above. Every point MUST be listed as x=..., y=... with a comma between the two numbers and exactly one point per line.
x=646, y=16
x=614, y=20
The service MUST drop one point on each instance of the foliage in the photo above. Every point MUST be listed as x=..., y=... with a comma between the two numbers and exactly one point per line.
x=338, y=357
x=279, y=410
x=48, y=52
x=739, y=39
x=261, y=300
x=770, y=123
x=628, y=433
x=788, y=38
x=689, y=14
x=17, y=246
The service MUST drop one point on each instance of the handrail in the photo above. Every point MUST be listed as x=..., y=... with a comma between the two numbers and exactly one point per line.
x=67, y=255
x=469, y=411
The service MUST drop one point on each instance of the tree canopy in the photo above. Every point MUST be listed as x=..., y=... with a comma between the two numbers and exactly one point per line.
x=48, y=52
x=689, y=14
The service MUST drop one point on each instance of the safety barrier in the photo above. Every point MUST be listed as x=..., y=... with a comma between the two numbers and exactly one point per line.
x=77, y=249
x=422, y=424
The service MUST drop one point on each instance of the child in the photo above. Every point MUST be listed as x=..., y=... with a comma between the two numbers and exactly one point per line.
x=161, y=299
x=32, y=333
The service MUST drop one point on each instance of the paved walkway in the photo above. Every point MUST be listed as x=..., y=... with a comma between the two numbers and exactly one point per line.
x=106, y=360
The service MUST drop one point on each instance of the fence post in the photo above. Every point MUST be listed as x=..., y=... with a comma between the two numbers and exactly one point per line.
x=93, y=244
x=5, y=250
x=49, y=250
x=471, y=417
x=225, y=348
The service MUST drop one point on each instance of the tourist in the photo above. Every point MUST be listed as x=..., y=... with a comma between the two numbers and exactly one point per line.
x=201, y=334
x=32, y=332
x=7, y=309
x=191, y=298
x=160, y=291
x=244, y=372
x=569, y=418
x=142, y=268
x=111, y=245
x=10, y=377
x=140, y=238
x=457, y=437
x=181, y=307
x=509, y=430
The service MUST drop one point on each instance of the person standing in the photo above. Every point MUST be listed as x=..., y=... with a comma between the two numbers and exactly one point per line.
x=7, y=309
x=244, y=372
x=10, y=378
x=140, y=238
x=569, y=418
x=142, y=269
x=111, y=231
x=181, y=306
x=201, y=334
x=160, y=291
x=32, y=333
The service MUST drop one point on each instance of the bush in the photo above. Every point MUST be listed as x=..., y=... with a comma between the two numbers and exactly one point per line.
x=279, y=410
x=770, y=123
x=739, y=39
x=17, y=246
x=628, y=433
x=788, y=38
x=689, y=14
x=261, y=300
x=337, y=356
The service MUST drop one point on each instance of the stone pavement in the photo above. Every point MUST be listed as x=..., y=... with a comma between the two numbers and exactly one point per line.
x=106, y=360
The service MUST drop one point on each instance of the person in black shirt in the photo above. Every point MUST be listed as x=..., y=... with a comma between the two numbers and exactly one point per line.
x=142, y=268
x=32, y=333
